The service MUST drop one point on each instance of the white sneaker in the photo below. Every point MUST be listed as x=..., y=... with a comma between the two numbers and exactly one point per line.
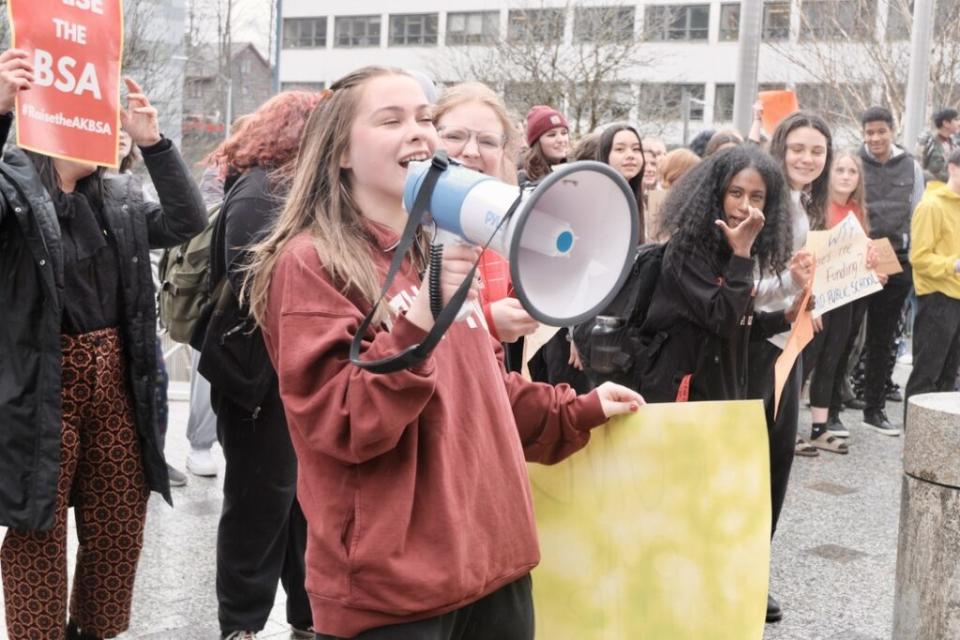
x=200, y=462
x=242, y=635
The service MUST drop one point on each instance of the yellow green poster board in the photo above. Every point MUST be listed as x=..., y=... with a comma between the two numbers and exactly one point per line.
x=659, y=529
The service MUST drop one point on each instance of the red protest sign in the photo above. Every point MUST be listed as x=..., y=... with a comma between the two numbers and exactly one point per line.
x=72, y=109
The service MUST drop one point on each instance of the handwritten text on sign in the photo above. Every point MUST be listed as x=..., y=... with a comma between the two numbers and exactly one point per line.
x=842, y=275
x=72, y=109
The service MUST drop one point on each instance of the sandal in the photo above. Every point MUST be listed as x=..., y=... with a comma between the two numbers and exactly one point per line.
x=830, y=443
x=805, y=449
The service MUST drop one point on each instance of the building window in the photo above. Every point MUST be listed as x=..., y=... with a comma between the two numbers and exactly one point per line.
x=302, y=86
x=837, y=19
x=357, y=31
x=304, y=33
x=677, y=22
x=246, y=66
x=536, y=25
x=834, y=101
x=195, y=89
x=900, y=18
x=776, y=21
x=723, y=103
x=413, y=30
x=723, y=99
x=663, y=101
x=603, y=24
x=473, y=27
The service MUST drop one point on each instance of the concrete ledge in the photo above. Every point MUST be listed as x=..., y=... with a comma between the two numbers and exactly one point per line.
x=931, y=449
x=928, y=568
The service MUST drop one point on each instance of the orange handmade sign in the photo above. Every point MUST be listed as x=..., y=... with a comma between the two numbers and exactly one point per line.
x=777, y=105
x=72, y=109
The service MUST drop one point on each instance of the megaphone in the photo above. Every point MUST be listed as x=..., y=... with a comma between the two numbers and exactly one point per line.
x=570, y=240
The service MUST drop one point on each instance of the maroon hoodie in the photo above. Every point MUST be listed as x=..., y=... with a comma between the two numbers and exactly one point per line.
x=414, y=483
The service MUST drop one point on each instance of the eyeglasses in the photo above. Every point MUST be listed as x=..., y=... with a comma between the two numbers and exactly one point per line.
x=456, y=138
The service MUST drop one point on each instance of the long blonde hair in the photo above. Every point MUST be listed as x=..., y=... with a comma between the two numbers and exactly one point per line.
x=320, y=202
x=466, y=92
x=859, y=195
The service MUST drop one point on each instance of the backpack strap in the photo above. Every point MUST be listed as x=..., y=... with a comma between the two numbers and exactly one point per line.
x=683, y=393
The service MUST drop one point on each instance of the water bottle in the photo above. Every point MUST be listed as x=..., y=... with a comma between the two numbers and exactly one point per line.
x=605, y=347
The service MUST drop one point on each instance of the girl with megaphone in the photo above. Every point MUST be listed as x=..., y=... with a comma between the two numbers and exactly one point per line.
x=413, y=483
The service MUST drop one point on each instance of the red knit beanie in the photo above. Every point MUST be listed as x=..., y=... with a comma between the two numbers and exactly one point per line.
x=541, y=119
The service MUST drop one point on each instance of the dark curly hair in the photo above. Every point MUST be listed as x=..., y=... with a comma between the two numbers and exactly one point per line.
x=819, y=189
x=695, y=203
x=636, y=183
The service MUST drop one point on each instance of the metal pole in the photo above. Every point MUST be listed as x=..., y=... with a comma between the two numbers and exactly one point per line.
x=278, y=47
x=685, y=108
x=919, y=78
x=748, y=59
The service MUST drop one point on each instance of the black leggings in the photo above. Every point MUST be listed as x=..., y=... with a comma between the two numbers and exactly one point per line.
x=782, y=430
x=505, y=614
x=823, y=359
x=262, y=535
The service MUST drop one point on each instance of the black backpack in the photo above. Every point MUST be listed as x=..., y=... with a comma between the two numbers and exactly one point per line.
x=611, y=344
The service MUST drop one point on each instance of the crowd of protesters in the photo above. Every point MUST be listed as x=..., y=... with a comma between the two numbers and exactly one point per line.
x=384, y=511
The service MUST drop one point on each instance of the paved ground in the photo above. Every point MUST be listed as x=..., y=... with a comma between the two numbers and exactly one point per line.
x=833, y=557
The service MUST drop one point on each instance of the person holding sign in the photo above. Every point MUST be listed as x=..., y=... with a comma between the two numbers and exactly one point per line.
x=894, y=185
x=827, y=355
x=78, y=410
x=803, y=146
x=935, y=255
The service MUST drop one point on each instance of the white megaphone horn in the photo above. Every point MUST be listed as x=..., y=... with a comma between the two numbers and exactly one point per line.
x=570, y=241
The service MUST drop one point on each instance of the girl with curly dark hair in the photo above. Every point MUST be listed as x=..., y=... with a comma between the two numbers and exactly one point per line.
x=727, y=217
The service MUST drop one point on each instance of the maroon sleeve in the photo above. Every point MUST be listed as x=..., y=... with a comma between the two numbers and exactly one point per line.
x=553, y=421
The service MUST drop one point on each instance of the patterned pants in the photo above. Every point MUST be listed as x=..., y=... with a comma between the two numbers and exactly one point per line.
x=101, y=476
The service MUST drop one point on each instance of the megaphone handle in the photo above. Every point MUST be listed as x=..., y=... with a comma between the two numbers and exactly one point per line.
x=436, y=266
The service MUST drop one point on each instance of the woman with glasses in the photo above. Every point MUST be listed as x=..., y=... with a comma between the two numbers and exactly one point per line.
x=475, y=130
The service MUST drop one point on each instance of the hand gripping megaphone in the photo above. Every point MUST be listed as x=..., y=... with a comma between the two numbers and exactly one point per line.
x=569, y=240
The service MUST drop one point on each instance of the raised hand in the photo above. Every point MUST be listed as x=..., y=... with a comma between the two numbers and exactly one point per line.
x=801, y=267
x=16, y=75
x=139, y=119
x=742, y=236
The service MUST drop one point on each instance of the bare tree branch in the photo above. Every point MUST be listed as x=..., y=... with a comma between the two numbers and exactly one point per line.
x=853, y=63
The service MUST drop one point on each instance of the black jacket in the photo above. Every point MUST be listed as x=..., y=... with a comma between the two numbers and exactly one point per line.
x=699, y=323
x=233, y=355
x=31, y=295
x=889, y=190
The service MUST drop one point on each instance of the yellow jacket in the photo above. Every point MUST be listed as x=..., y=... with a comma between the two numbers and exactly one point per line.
x=935, y=242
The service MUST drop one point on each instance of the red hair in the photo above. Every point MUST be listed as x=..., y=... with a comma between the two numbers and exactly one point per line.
x=269, y=137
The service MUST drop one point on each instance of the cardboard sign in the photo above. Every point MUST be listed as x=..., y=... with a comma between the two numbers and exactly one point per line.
x=659, y=529
x=888, y=263
x=777, y=105
x=842, y=275
x=800, y=336
x=533, y=343
x=72, y=109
